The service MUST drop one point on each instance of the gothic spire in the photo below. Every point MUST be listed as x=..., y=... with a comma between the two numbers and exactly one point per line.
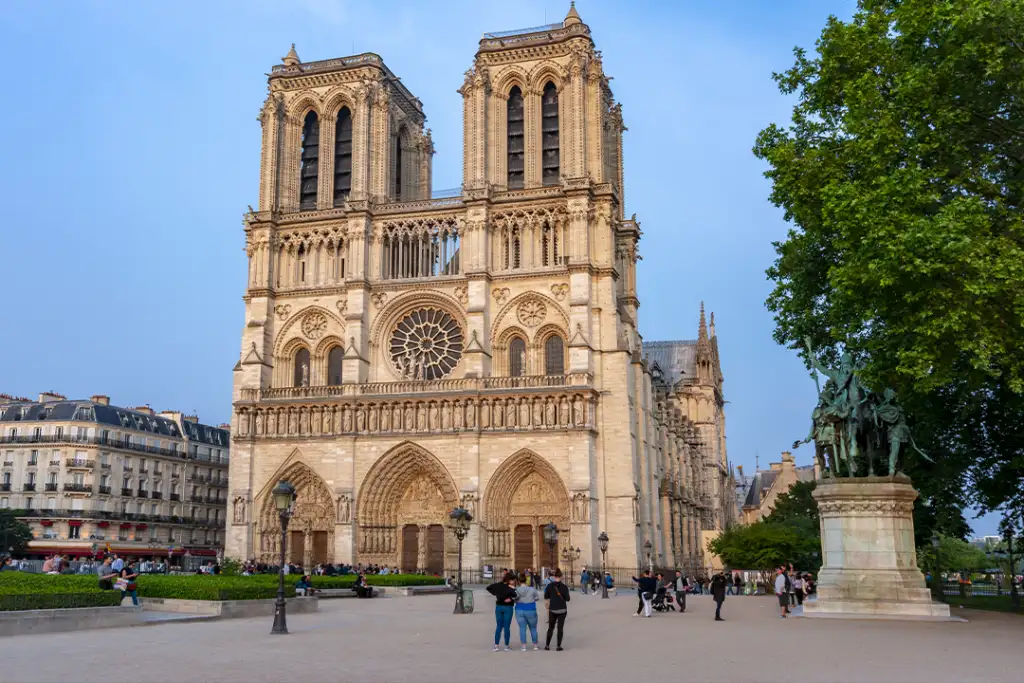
x=702, y=332
x=292, y=58
x=573, y=16
x=711, y=326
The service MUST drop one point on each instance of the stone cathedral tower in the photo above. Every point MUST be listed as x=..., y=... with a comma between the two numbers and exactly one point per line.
x=404, y=354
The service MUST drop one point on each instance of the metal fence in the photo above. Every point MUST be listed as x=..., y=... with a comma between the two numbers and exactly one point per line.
x=968, y=590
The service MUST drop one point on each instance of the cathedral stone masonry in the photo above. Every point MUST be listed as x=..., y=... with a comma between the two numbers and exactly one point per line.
x=405, y=354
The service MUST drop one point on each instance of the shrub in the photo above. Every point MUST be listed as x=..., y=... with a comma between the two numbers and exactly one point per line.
x=29, y=601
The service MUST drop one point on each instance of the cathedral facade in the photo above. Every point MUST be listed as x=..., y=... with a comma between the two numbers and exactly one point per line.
x=405, y=353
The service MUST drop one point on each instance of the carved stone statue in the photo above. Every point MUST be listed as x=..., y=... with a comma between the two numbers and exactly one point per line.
x=239, y=510
x=304, y=380
x=344, y=509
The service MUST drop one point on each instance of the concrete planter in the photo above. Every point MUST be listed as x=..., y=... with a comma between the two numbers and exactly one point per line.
x=229, y=609
x=60, y=620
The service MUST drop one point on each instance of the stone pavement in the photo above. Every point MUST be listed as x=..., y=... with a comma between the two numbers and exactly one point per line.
x=418, y=639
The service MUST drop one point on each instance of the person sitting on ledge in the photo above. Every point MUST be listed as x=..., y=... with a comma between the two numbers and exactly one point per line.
x=361, y=588
x=304, y=586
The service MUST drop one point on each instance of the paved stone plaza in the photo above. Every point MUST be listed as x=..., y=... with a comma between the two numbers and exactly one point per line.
x=418, y=639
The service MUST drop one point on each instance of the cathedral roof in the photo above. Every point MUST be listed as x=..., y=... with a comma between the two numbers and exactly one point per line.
x=676, y=359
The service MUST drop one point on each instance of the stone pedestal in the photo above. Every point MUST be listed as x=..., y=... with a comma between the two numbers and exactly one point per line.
x=870, y=563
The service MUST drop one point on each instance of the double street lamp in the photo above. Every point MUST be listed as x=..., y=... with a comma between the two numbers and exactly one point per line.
x=570, y=555
x=551, y=538
x=284, y=497
x=602, y=541
x=460, y=520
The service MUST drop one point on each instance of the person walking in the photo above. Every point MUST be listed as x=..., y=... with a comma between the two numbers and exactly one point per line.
x=526, y=613
x=737, y=581
x=128, y=575
x=798, y=588
x=504, y=593
x=105, y=573
x=584, y=580
x=680, y=585
x=646, y=587
x=556, y=599
x=780, y=590
x=718, y=594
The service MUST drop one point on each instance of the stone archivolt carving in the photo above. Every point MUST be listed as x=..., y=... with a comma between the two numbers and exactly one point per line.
x=531, y=312
x=560, y=291
x=314, y=325
x=314, y=511
x=282, y=311
x=559, y=410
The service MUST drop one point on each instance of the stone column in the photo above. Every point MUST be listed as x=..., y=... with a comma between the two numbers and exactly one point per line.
x=870, y=562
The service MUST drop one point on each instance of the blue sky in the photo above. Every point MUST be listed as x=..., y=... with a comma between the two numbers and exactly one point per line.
x=131, y=148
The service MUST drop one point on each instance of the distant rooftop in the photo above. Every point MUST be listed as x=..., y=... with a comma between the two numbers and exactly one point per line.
x=523, y=31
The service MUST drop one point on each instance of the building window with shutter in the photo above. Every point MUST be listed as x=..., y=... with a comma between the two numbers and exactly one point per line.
x=516, y=139
x=342, y=156
x=554, y=356
x=310, y=162
x=549, y=135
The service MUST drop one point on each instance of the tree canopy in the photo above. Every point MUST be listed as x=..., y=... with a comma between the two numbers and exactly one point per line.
x=763, y=546
x=14, y=534
x=902, y=174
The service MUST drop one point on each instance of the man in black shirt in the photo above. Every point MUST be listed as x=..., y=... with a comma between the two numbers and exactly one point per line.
x=647, y=586
x=556, y=597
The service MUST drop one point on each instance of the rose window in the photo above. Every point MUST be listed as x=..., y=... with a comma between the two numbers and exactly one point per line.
x=532, y=312
x=426, y=344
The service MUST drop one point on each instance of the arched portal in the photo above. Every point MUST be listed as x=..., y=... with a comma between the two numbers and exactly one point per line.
x=522, y=496
x=311, y=528
x=402, y=512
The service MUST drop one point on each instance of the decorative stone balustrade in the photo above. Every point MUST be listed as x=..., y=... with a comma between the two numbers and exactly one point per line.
x=542, y=408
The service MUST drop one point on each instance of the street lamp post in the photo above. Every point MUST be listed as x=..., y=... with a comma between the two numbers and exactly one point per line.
x=460, y=518
x=570, y=555
x=647, y=549
x=937, y=574
x=551, y=538
x=603, y=542
x=1014, y=593
x=284, y=496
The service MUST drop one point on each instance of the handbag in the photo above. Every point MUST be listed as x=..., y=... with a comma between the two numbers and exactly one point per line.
x=131, y=585
x=121, y=584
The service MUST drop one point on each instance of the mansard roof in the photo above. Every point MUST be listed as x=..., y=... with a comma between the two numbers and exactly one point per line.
x=676, y=359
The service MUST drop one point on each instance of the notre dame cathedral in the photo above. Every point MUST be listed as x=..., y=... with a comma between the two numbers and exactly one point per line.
x=405, y=353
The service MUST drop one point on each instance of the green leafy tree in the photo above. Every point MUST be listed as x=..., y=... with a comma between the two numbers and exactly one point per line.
x=902, y=174
x=763, y=546
x=14, y=534
x=796, y=505
x=955, y=555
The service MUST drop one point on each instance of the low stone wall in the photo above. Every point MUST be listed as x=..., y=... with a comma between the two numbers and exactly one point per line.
x=60, y=620
x=229, y=609
x=417, y=590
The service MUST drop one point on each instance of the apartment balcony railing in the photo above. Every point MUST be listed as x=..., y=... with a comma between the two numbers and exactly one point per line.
x=196, y=499
x=55, y=463
x=104, y=465
x=126, y=491
x=158, y=495
x=74, y=464
x=78, y=488
x=28, y=488
x=120, y=444
x=106, y=515
x=8, y=463
x=143, y=470
x=128, y=469
x=213, y=500
x=467, y=384
x=51, y=486
x=175, y=496
x=142, y=493
x=33, y=463
x=105, y=490
x=5, y=486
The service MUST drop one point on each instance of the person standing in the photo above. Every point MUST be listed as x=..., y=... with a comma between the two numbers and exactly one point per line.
x=737, y=581
x=118, y=564
x=798, y=588
x=526, y=613
x=584, y=580
x=780, y=590
x=680, y=587
x=646, y=587
x=556, y=599
x=504, y=593
x=718, y=594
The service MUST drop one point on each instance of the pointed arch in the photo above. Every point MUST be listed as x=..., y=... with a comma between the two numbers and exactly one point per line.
x=505, y=481
x=311, y=528
x=390, y=476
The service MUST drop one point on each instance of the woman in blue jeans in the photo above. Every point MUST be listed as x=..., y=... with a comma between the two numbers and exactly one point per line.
x=526, y=613
x=504, y=605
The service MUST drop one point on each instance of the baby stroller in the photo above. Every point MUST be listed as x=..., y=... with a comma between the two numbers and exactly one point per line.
x=662, y=601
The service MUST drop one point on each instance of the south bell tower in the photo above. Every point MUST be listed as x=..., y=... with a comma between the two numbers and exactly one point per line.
x=405, y=353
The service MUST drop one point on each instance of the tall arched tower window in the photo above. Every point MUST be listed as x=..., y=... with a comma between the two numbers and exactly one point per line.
x=554, y=356
x=397, y=190
x=310, y=161
x=516, y=139
x=517, y=358
x=300, y=375
x=549, y=128
x=334, y=357
x=342, y=156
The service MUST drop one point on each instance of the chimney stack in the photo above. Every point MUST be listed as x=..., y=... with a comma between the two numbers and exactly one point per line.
x=145, y=410
x=101, y=399
x=50, y=396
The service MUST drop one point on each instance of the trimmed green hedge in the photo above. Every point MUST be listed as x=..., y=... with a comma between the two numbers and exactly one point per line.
x=20, y=590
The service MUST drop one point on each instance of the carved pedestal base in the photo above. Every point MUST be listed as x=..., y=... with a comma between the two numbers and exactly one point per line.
x=870, y=563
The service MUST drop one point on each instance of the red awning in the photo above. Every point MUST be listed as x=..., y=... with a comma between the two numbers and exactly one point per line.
x=126, y=525
x=46, y=522
x=202, y=553
x=103, y=525
x=74, y=522
x=141, y=527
